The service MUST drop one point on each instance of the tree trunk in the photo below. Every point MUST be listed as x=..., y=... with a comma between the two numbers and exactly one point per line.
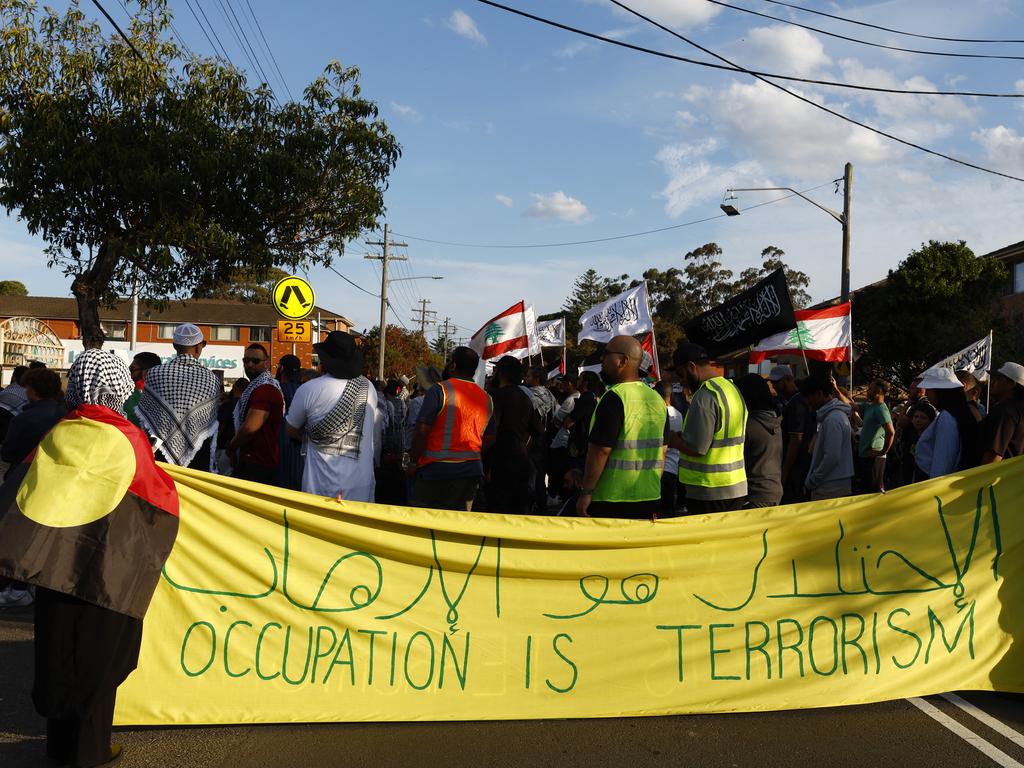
x=88, y=288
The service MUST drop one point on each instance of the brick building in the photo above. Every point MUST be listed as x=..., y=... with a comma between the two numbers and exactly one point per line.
x=228, y=326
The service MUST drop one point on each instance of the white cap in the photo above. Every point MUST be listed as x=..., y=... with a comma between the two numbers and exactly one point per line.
x=940, y=378
x=187, y=335
x=779, y=372
x=1013, y=371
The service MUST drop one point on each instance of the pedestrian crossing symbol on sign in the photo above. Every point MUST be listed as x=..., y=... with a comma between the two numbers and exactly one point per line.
x=293, y=297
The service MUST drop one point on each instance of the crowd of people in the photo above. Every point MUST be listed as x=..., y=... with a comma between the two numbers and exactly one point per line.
x=609, y=443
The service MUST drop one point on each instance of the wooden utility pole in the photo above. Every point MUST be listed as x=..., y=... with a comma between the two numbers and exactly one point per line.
x=385, y=245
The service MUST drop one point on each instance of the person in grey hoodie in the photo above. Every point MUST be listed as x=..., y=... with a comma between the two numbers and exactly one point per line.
x=831, y=472
x=762, y=446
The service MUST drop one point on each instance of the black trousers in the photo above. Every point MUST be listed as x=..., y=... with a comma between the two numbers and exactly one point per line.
x=82, y=653
x=83, y=740
x=701, y=507
x=457, y=493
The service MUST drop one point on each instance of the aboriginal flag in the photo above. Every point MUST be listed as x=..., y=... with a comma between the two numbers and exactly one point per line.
x=89, y=513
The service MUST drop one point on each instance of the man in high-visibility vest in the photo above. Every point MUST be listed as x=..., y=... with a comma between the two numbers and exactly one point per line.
x=711, y=465
x=628, y=433
x=445, y=451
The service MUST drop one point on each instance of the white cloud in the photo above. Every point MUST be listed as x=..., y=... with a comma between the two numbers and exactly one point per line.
x=404, y=110
x=461, y=24
x=504, y=200
x=572, y=50
x=557, y=205
x=787, y=135
x=1019, y=85
x=673, y=13
x=803, y=52
x=694, y=178
x=1002, y=145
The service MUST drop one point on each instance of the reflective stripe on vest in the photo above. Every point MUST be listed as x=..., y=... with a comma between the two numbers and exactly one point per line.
x=633, y=470
x=722, y=466
x=457, y=432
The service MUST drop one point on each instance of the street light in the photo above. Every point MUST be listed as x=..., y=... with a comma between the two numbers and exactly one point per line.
x=425, y=277
x=843, y=218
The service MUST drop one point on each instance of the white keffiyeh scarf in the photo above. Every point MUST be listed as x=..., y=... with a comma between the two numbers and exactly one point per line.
x=179, y=407
x=99, y=377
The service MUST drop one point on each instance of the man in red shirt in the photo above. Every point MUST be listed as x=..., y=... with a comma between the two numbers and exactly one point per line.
x=258, y=420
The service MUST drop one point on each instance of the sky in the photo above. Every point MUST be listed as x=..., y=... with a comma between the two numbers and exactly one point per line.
x=514, y=133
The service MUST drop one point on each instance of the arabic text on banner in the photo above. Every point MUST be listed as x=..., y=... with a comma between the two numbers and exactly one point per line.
x=277, y=606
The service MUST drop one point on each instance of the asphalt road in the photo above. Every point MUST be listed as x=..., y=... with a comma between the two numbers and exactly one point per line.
x=895, y=733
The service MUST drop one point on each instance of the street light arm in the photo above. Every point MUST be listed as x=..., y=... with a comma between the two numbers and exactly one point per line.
x=424, y=277
x=837, y=216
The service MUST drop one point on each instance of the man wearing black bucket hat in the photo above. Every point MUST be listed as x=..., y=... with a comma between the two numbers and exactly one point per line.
x=337, y=414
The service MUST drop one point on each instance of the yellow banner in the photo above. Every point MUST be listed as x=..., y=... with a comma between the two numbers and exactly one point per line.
x=278, y=606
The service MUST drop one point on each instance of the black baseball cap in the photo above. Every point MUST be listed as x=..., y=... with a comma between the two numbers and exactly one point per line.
x=688, y=352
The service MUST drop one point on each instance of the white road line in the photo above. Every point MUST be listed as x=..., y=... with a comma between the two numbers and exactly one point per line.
x=979, y=714
x=966, y=734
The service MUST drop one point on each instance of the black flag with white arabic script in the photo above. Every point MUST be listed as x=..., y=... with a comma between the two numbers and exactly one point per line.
x=743, y=320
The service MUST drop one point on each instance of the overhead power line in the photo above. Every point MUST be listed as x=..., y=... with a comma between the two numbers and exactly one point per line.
x=816, y=105
x=273, y=58
x=725, y=68
x=605, y=239
x=353, y=284
x=838, y=36
x=890, y=29
x=201, y=27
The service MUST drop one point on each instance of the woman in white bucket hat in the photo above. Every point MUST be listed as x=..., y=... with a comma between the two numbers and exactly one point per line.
x=952, y=441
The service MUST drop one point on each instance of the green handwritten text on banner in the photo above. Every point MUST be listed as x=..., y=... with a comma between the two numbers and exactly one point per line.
x=283, y=607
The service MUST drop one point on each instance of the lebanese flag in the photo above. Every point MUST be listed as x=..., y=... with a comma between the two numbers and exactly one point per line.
x=502, y=335
x=647, y=344
x=821, y=334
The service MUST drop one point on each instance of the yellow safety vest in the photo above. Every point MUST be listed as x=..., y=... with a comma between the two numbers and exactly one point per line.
x=633, y=471
x=722, y=466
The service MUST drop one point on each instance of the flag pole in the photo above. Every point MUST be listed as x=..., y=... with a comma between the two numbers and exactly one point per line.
x=988, y=373
x=803, y=352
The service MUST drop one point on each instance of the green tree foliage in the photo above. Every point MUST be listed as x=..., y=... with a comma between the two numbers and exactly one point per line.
x=403, y=351
x=771, y=260
x=170, y=174
x=938, y=300
x=706, y=283
x=12, y=288
x=246, y=284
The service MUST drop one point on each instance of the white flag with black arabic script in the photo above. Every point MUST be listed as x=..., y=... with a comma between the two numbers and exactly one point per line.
x=551, y=333
x=977, y=358
x=627, y=314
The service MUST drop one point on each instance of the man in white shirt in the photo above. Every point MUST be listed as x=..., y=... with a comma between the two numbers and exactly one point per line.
x=338, y=416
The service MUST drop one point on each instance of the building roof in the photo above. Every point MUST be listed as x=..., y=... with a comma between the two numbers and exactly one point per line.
x=1007, y=252
x=204, y=311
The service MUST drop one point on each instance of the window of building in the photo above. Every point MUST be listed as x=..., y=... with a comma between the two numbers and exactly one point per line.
x=165, y=330
x=114, y=329
x=259, y=333
x=225, y=333
x=1018, y=277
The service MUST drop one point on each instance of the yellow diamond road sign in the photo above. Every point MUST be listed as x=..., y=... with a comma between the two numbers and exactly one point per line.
x=293, y=298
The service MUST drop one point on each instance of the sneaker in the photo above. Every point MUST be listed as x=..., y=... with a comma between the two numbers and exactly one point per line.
x=12, y=598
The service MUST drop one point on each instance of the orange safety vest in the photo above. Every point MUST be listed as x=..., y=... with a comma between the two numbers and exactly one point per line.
x=458, y=430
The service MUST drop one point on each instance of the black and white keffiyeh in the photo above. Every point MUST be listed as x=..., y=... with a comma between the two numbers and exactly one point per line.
x=179, y=407
x=243, y=403
x=99, y=377
x=341, y=430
